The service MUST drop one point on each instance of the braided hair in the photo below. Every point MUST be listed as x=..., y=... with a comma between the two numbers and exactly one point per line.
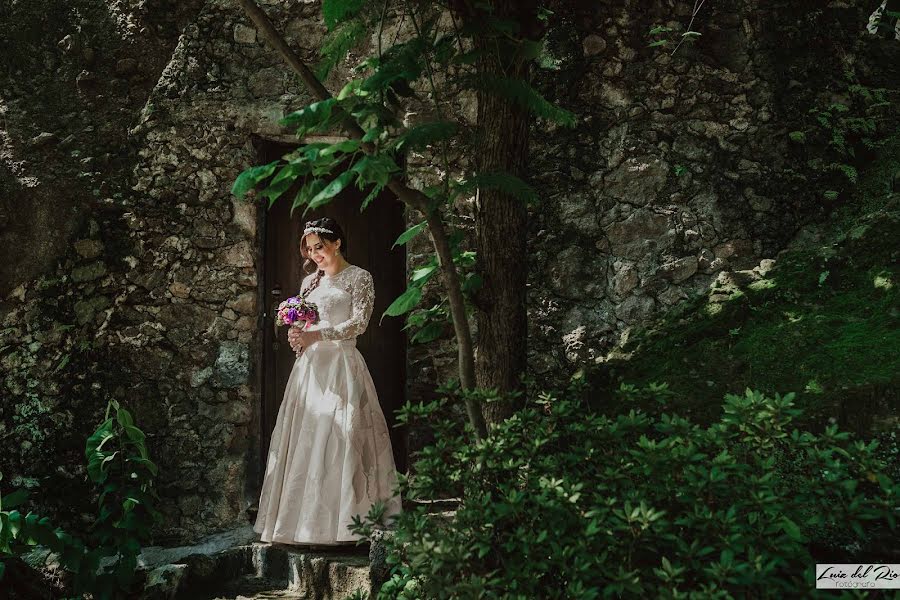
x=309, y=265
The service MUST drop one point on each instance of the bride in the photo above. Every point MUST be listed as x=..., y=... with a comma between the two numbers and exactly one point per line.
x=330, y=456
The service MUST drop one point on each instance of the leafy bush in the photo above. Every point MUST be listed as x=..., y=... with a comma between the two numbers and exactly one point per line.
x=118, y=462
x=561, y=503
x=842, y=136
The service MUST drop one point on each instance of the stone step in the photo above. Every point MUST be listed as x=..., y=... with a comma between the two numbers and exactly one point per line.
x=285, y=571
x=261, y=570
x=251, y=587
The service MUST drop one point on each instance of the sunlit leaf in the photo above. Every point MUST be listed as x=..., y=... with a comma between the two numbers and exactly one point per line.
x=410, y=234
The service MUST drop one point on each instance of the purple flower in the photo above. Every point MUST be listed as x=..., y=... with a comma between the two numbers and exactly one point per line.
x=292, y=315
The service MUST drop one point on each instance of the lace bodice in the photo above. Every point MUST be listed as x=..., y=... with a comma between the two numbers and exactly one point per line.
x=345, y=302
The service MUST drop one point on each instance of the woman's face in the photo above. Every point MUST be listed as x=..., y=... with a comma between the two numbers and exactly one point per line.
x=322, y=252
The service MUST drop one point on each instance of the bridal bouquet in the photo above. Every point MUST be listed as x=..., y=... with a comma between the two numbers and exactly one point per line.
x=297, y=311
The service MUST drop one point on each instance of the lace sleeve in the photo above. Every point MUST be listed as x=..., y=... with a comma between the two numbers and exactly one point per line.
x=362, y=298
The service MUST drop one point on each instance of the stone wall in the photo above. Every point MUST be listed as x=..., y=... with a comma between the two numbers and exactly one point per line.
x=137, y=278
x=153, y=299
x=681, y=167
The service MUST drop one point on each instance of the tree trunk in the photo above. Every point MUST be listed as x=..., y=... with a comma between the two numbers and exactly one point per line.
x=501, y=220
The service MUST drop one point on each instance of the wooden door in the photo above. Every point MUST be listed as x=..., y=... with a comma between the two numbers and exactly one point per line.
x=369, y=236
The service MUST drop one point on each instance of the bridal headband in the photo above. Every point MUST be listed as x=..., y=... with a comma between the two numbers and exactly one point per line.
x=310, y=229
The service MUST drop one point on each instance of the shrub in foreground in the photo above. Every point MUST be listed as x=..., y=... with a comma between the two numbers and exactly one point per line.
x=561, y=503
x=104, y=565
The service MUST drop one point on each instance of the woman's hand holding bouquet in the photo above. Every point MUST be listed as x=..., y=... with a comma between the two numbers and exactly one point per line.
x=298, y=314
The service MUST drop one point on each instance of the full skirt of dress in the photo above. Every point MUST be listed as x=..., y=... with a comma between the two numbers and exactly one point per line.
x=330, y=454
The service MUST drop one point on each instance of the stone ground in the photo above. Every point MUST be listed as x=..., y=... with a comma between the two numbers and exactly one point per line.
x=344, y=575
x=231, y=565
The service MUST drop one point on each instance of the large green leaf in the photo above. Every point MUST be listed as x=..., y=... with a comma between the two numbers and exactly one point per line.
x=14, y=522
x=291, y=171
x=375, y=170
x=247, y=180
x=124, y=417
x=13, y=499
x=343, y=147
x=373, y=193
x=428, y=333
x=405, y=302
x=134, y=434
x=410, y=233
x=275, y=190
x=423, y=274
x=331, y=190
x=315, y=117
x=98, y=438
x=149, y=464
x=306, y=193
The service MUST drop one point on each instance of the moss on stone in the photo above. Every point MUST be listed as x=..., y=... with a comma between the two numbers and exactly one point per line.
x=824, y=323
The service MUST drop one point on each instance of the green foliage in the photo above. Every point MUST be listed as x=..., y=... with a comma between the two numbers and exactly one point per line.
x=435, y=51
x=337, y=44
x=410, y=234
x=335, y=11
x=118, y=462
x=505, y=182
x=426, y=134
x=526, y=96
x=405, y=302
x=842, y=136
x=560, y=502
x=661, y=36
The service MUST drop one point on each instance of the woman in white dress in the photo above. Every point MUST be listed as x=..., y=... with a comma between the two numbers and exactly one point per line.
x=330, y=456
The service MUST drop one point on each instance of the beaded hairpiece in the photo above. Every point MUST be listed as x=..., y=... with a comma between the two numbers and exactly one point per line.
x=316, y=230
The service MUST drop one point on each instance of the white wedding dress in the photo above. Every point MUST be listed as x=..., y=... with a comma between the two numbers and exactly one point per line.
x=330, y=456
